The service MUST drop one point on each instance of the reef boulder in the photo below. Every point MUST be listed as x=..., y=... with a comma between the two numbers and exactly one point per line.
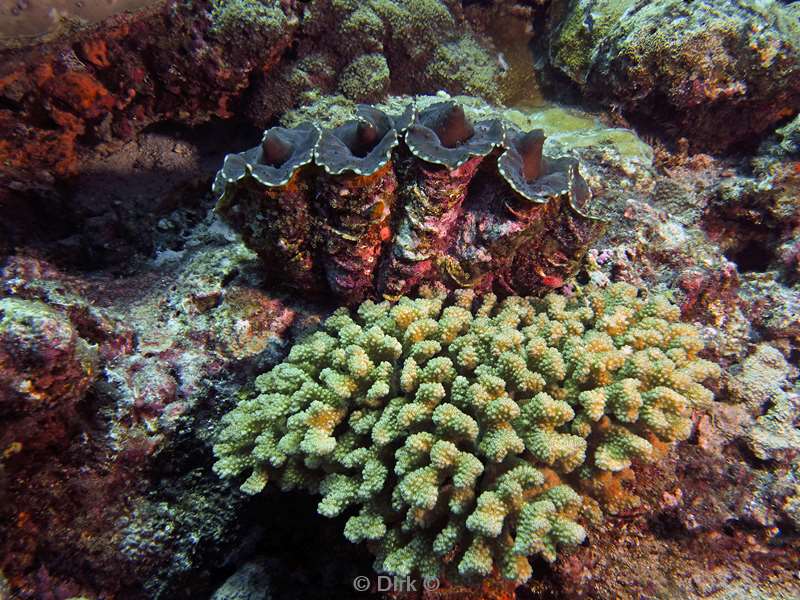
x=699, y=67
x=43, y=361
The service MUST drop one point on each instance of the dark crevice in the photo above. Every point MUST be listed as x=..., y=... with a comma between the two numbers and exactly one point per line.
x=668, y=526
x=9, y=104
x=112, y=208
x=750, y=458
x=752, y=256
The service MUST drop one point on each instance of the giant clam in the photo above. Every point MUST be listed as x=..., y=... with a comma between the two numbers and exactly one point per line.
x=355, y=197
x=381, y=203
x=447, y=150
x=266, y=197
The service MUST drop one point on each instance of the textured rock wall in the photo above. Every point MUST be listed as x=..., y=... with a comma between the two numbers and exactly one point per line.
x=720, y=73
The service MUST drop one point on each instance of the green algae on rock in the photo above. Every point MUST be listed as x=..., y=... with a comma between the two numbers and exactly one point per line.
x=256, y=22
x=366, y=50
x=366, y=78
x=699, y=66
x=460, y=426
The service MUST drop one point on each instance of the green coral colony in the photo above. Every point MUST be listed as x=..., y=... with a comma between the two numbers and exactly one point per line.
x=461, y=427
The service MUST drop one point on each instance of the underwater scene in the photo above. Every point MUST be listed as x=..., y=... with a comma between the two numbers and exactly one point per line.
x=399, y=299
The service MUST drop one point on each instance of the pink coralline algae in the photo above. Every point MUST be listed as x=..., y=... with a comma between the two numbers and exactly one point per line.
x=384, y=203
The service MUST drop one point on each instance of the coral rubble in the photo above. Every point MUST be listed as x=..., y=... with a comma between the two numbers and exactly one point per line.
x=396, y=201
x=459, y=426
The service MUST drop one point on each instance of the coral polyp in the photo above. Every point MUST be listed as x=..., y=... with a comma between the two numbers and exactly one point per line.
x=382, y=203
x=456, y=429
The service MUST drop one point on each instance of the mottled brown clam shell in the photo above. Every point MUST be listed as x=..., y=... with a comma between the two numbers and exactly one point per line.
x=269, y=205
x=355, y=196
x=391, y=202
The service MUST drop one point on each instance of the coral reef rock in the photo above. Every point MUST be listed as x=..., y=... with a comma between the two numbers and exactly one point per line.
x=391, y=201
x=111, y=468
x=461, y=427
x=762, y=386
x=365, y=50
x=250, y=582
x=44, y=362
x=698, y=66
x=183, y=61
